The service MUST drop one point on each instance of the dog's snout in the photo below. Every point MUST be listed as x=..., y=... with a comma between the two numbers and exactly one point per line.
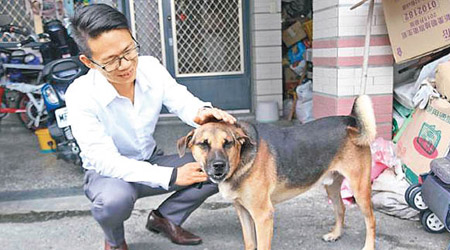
x=219, y=164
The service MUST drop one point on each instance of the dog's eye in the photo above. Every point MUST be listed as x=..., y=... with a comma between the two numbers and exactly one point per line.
x=227, y=144
x=204, y=144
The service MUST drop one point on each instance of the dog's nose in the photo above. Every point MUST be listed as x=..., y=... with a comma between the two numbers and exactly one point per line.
x=218, y=164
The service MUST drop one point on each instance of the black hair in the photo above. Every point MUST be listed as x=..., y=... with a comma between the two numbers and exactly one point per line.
x=92, y=20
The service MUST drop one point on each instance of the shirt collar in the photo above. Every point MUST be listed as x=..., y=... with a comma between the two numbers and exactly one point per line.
x=142, y=81
x=107, y=93
x=104, y=90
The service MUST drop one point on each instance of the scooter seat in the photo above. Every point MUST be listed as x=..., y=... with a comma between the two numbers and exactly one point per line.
x=441, y=168
x=64, y=70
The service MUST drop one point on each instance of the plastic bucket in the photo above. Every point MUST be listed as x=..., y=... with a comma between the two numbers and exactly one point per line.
x=267, y=111
x=46, y=143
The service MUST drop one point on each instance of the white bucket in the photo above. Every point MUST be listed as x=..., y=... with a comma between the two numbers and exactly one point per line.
x=267, y=111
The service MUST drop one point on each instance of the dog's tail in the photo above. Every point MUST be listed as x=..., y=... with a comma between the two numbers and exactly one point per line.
x=365, y=117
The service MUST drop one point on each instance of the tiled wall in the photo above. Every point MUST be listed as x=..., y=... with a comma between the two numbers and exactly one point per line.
x=338, y=49
x=266, y=51
x=326, y=105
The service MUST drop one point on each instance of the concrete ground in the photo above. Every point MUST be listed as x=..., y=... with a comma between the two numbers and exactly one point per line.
x=42, y=207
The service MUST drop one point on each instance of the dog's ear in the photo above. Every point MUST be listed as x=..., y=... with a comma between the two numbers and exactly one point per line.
x=247, y=135
x=184, y=142
x=242, y=138
x=242, y=135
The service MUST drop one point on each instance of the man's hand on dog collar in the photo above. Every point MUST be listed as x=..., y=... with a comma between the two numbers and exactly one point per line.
x=208, y=114
x=189, y=174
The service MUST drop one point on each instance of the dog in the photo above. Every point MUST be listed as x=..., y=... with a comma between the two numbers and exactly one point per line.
x=258, y=166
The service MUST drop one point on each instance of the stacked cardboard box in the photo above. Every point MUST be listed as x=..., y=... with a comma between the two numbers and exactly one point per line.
x=421, y=30
x=417, y=28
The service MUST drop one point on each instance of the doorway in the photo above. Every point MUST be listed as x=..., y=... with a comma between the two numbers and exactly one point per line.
x=204, y=44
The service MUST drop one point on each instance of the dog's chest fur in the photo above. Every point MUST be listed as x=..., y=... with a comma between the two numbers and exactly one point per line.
x=227, y=191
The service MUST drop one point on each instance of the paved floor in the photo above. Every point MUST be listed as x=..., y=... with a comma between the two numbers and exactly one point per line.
x=42, y=207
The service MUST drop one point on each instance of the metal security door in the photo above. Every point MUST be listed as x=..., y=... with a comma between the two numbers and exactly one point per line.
x=146, y=25
x=207, y=49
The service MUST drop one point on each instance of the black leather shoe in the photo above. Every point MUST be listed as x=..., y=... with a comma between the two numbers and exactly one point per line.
x=176, y=234
x=121, y=247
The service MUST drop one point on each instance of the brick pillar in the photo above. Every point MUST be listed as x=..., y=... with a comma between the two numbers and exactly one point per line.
x=338, y=50
x=266, y=51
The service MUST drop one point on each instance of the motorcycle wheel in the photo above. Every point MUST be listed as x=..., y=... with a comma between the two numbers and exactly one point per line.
x=3, y=115
x=29, y=117
x=3, y=105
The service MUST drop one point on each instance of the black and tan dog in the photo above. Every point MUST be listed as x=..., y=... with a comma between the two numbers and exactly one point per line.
x=260, y=166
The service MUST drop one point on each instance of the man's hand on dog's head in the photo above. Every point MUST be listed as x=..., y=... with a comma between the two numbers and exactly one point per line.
x=206, y=114
x=189, y=174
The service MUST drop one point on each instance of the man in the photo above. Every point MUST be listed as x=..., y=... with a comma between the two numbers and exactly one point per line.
x=113, y=110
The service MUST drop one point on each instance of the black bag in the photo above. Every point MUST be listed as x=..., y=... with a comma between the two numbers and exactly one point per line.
x=441, y=168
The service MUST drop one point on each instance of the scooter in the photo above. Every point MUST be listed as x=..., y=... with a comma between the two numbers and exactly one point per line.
x=59, y=75
x=21, y=72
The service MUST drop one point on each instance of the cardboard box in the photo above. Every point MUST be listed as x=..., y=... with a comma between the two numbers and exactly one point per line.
x=308, y=28
x=443, y=79
x=417, y=27
x=289, y=75
x=290, y=79
x=426, y=137
x=293, y=34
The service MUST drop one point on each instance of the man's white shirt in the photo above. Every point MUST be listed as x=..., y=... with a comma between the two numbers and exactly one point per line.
x=114, y=135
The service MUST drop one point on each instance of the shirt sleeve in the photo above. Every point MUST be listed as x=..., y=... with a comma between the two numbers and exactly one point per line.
x=98, y=150
x=178, y=99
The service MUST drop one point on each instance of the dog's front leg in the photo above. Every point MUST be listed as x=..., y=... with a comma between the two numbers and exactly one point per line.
x=262, y=215
x=248, y=226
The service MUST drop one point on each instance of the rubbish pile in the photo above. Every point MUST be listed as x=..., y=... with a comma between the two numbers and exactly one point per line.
x=403, y=168
x=297, y=59
x=423, y=133
x=421, y=138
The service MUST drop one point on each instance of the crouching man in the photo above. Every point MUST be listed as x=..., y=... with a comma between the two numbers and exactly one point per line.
x=113, y=110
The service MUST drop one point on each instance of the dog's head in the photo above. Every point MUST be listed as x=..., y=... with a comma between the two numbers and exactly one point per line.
x=218, y=147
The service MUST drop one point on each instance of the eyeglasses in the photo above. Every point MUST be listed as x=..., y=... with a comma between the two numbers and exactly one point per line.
x=114, y=64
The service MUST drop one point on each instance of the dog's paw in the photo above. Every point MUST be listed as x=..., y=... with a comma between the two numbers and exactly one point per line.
x=330, y=237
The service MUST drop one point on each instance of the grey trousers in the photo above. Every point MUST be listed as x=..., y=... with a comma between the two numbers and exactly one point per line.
x=113, y=199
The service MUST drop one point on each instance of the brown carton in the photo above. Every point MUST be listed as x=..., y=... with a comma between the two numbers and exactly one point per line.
x=426, y=137
x=417, y=27
x=293, y=34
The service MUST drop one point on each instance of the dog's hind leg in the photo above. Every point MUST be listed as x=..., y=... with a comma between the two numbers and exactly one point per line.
x=361, y=187
x=248, y=227
x=334, y=194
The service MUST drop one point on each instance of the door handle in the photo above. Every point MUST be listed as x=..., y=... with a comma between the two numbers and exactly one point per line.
x=169, y=19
